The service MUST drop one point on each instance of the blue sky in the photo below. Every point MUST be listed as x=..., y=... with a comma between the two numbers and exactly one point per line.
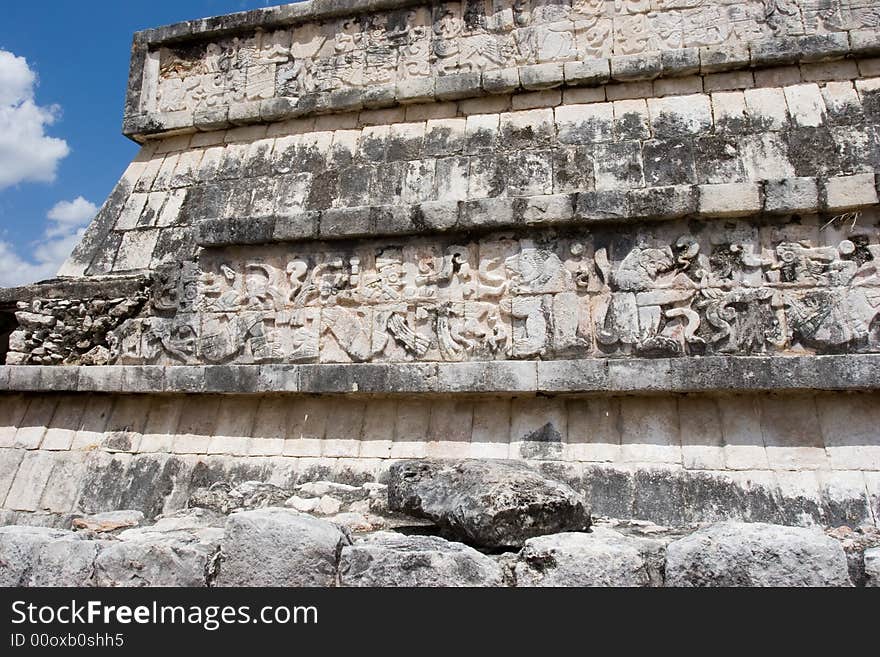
x=63, y=72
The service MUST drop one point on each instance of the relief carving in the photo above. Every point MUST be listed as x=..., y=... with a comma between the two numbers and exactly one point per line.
x=508, y=297
x=383, y=48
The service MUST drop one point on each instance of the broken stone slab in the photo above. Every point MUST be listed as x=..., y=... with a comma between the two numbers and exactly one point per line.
x=177, y=551
x=387, y=559
x=41, y=556
x=225, y=498
x=756, y=554
x=111, y=521
x=342, y=492
x=602, y=557
x=486, y=503
x=66, y=562
x=279, y=547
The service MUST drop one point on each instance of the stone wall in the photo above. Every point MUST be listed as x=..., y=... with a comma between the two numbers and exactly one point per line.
x=791, y=459
x=633, y=243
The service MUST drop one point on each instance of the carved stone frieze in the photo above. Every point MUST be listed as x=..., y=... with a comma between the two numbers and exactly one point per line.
x=384, y=48
x=673, y=290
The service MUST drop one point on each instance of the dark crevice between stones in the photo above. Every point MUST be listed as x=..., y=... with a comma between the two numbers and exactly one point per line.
x=8, y=325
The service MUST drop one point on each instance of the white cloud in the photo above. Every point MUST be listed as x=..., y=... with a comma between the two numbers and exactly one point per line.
x=68, y=215
x=27, y=154
x=68, y=220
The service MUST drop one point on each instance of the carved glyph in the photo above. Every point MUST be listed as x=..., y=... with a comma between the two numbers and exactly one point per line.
x=734, y=289
x=444, y=38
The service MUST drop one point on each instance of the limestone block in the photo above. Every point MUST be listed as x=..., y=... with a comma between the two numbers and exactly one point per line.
x=791, y=195
x=94, y=421
x=842, y=103
x=846, y=192
x=135, y=250
x=678, y=116
x=35, y=422
x=767, y=108
x=449, y=429
x=30, y=481
x=731, y=81
x=641, y=66
x=307, y=427
x=377, y=436
x=692, y=84
x=738, y=554
x=445, y=137
x=197, y=423
x=386, y=559
x=729, y=110
x=791, y=433
x=278, y=547
x=491, y=429
x=602, y=557
x=12, y=410
x=702, y=440
x=527, y=129
x=501, y=81
x=411, y=429
x=585, y=124
x=343, y=431
x=682, y=61
x=848, y=428
x=235, y=425
x=20, y=548
x=64, y=482
x=730, y=200
x=536, y=99
x=458, y=85
x=486, y=503
x=542, y=76
x=650, y=431
x=631, y=120
x=587, y=72
x=538, y=428
x=10, y=459
x=805, y=104
x=593, y=430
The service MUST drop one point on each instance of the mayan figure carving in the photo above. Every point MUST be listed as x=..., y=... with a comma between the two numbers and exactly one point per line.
x=509, y=298
x=467, y=293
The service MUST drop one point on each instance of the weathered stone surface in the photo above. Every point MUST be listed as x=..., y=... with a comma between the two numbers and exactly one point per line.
x=872, y=567
x=738, y=554
x=110, y=521
x=386, y=559
x=279, y=547
x=177, y=551
x=224, y=498
x=602, y=557
x=41, y=556
x=486, y=503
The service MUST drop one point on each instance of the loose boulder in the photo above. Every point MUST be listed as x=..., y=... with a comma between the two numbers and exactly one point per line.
x=386, y=559
x=486, y=503
x=602, y=557
x=177, y=551
x=40, y=556
x=756, y=554
x=279, y=547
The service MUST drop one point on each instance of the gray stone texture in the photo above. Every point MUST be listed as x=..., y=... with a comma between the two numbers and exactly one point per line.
x=600, y=558
x=279, y=547
x=386, y=560
x=486, y=503
x=737, y=554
